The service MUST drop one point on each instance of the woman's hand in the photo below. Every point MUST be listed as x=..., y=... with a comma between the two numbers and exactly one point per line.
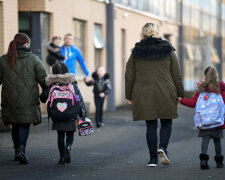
x=129, y=101
x=102, y=95
x=179, y=99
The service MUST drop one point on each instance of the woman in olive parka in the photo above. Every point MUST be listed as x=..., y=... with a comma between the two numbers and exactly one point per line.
x=20, y=73
x=152, y=84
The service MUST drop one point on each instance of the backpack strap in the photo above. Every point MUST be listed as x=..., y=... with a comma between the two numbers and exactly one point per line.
x=48, y=123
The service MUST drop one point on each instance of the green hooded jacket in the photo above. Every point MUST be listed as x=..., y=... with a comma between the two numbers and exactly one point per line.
x=20, y=92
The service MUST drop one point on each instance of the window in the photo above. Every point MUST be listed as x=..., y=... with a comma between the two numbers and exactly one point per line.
x=205, y=20
x=213, y=6
x=124, y=2
x=195, y=18
x=142, y=5
x=186, y=15
x=79, y=41
x=206, y=5
x=223, y=31
x=213, y=25
x=25, y=24
x=223, y=11
x=170, y=8
x=195, y=3
x=98, y=43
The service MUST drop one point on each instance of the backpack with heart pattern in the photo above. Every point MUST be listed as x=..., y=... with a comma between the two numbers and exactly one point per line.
x=63, y=103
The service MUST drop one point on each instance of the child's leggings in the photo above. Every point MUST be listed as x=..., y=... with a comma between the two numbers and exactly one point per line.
x=205, y=144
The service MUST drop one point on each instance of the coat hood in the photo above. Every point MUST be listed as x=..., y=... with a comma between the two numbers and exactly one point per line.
x=23, y=52
x=59, y=78
x=152, y=48
x=95, y=76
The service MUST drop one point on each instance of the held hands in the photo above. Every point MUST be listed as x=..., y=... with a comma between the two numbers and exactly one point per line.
x=179, y=99
x=102, y=95
x=87, y=79
x=129, y=101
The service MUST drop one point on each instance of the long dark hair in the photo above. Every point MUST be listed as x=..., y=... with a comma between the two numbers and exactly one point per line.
x=19, y=40
x=211, y=81
x=60, y=68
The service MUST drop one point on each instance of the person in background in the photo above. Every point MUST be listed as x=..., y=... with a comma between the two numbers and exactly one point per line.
x=54, y=53
x=20, y=73
x=72, y=54
x=102, y=87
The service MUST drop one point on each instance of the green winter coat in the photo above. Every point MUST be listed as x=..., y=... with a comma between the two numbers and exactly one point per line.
x=153, y=80
x=20, y=92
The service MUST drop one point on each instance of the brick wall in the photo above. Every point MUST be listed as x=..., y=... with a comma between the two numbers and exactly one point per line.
x=1, y=29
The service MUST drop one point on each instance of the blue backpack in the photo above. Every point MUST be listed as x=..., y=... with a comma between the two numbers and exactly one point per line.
x=209, y=111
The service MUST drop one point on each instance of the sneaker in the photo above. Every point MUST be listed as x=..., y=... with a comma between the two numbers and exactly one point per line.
x=152, y=163
x=163, y=157
x=67, y=157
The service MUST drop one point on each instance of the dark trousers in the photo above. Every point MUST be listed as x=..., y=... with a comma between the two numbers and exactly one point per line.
x=20, y=133
x=99, y=102
x=152, y=138
x=205, y=144
x=61, y=140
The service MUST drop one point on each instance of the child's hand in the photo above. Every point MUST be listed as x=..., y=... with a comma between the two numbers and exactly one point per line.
x=179, y=99
x=129, y=101
x=102, y=95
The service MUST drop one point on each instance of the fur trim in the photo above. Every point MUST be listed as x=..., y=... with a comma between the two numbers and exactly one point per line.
x=59, y=78
x=219, y=159
x=95, y=76
x=204, y=157
x=152, y=48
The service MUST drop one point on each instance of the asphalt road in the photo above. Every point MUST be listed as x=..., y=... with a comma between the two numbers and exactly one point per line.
x=116, y=151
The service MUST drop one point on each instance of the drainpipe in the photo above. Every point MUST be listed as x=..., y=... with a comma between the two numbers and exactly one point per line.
x=219, y=42
x=181, y=40
x=110, y=52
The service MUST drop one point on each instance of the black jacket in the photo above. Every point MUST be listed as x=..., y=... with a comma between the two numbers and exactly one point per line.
x=64, y=79
x=54, y=54
x=100, y=84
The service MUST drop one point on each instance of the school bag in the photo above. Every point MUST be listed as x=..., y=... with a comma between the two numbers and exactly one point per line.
x=63, y=103
x=85, y=127
x=209, y=111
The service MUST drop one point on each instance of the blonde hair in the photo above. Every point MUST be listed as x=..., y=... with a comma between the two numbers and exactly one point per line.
x=149, y=29
x=211, y=81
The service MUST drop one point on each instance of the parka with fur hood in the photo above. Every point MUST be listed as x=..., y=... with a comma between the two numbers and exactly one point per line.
x=153, y=80
x=63, y=79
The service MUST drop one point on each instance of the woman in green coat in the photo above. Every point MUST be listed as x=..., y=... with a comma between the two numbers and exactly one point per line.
x=152, y=84
x=20, y=73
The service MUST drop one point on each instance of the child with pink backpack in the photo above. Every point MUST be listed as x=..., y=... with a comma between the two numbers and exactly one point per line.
x=209, y=114
x=64, y=104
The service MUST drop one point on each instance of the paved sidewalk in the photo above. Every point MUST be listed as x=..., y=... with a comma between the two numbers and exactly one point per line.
x=116, y=151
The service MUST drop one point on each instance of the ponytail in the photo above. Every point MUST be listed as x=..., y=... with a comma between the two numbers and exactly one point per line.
x=12, y=54
x=19, y=40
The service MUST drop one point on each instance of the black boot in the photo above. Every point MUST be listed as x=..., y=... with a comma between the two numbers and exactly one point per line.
x=67, y=157
x=219, y=161
x=61, y=160
x=204, y=161
x=21, y=155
